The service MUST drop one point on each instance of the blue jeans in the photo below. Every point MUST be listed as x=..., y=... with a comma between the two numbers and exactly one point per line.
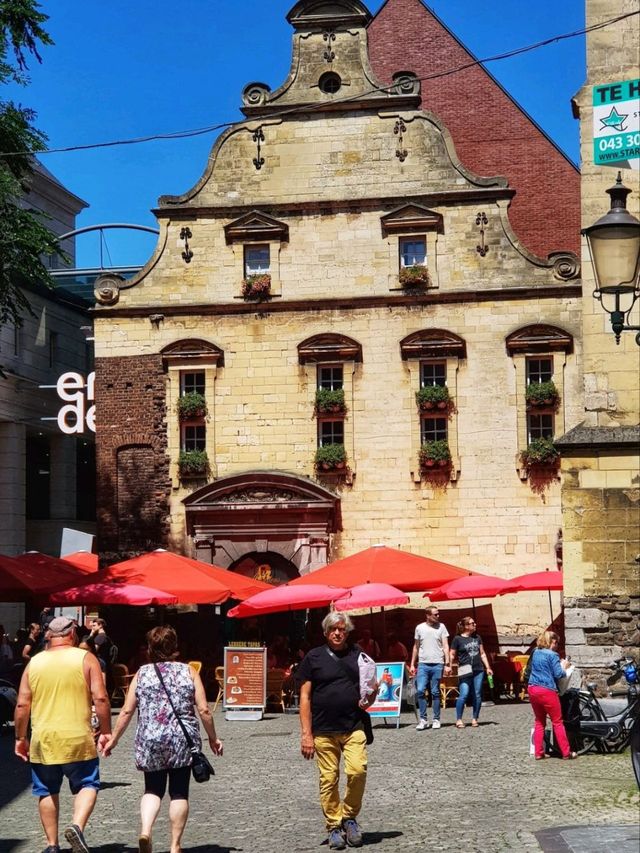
x=471, y=683
x=428, y=677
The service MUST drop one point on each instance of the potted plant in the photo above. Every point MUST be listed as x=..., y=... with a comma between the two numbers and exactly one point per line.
x=329, y=401
x=542, y=394
x=435, y=454
x=192, y=405
x=331, y=457
x=434, y=397
x=193, y=463
x=416, y=276
x=541, y=452
x=257, y=287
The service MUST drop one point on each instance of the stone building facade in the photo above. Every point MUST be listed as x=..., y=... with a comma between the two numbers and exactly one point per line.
x=600, y=457
x=332, y=193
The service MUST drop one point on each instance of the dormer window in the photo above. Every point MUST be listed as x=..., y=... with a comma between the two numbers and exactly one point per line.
x=257, y=260
x=413, y=252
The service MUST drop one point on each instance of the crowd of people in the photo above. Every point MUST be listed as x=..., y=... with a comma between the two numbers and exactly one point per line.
x=63, y=687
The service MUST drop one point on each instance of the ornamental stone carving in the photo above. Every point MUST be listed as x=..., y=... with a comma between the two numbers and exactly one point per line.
x=107, y=289
x=255, y=94
x=263, y=496
x=565, y=266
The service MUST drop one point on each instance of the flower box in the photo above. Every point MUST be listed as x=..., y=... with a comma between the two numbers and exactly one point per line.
x=192, y=405
x=257, y=287
x=435, y=454
x=330, y=402
x=542, y=395
x=193, y=463
x=415, y=277
x=331, y=457
x=541, y=453
x=434, y=398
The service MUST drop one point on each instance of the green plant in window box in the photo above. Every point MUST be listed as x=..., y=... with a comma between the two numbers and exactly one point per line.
x=434, y=397
x=331, y=457
x=192, y=405
x=541, y=452
x=257, y=287
x=330, y=401
x=416, y=276
x=193, y=463
x=542, y=395
x=435, y=454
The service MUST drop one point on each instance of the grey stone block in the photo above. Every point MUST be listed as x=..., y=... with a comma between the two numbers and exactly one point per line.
x=574, y=636
x=585, y=618
x=586, y=656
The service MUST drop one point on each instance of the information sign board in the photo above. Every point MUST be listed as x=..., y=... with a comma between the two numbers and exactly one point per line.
x=391, y=679
x=245, y=682
x=616, y=124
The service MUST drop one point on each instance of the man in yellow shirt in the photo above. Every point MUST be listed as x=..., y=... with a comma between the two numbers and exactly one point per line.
x=57, y=690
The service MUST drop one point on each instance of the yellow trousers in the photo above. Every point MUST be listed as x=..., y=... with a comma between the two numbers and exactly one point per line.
x=329, y=748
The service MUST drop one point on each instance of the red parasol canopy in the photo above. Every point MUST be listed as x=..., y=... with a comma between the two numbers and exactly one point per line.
x=278, y=599
x=536, y=581
x=379, y=564
x=190, y=581
x=474, y=586
x=83, y=560
x=110, y=593
x=24, y=577
x=45, y=562
x=370, y=595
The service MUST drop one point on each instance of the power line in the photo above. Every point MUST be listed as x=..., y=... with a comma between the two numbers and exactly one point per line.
x=318, y=107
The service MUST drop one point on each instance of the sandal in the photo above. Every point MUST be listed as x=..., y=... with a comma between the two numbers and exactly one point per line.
x=144, y=844
x=570, y=757
x=459, y=724
x=474, y=724
x=541, y=757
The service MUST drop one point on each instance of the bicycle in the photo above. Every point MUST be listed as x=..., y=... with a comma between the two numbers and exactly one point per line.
x=607, y=725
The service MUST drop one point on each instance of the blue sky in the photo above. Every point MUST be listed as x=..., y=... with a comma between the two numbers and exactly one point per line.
x=126, y=69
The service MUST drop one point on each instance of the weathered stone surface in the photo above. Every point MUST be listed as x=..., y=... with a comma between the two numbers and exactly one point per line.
x=573, y=636
x=585, y=618
x=595, y=656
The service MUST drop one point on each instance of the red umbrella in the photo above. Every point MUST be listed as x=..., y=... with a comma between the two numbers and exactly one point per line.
x=45, y=562
x=370, y=595
x=474, y=586
x=111, y=593
x=379, y=564
x=22, y=579
x=537, y=581
x=287, y=597
x=191, y=581
x=83, y=560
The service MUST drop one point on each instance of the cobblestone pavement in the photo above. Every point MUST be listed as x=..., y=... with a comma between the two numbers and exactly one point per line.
x=470, y=790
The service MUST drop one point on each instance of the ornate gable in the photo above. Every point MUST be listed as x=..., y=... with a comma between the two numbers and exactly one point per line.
x=411, y=217
x=256, y=226
x=539, y=338
x=318, y=13
x=329, y=347
x=432, y=343
x=192, y=351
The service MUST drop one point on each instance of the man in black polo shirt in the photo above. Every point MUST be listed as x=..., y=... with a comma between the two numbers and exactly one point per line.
x=331, y=726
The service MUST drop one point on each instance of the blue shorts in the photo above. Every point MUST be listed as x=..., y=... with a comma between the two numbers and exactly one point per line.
x=47, y=779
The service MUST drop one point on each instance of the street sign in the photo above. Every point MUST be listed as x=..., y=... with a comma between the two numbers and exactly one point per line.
x=616, y=124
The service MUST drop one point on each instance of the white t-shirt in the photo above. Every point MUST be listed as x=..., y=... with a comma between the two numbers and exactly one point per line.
x=430, y=639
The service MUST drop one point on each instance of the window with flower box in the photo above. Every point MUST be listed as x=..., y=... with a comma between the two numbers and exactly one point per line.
x=194, y=437
x=433, y=429
x=257, y=260
x=539, y=426
x=330, y=432
x=192, y=382
x=413, y=251
x=330, y=376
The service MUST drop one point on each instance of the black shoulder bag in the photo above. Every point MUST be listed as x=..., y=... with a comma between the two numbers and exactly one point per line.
x=201, y=768
x=526, y=675
x=365, y=719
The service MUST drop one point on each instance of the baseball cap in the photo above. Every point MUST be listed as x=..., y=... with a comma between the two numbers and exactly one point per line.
x=61, y=626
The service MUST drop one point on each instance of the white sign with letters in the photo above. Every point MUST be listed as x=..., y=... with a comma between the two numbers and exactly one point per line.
x=78, y=412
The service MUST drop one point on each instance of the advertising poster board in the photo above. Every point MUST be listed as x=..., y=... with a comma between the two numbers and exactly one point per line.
x=245, y=683
x=391, y=679
x=616, y=124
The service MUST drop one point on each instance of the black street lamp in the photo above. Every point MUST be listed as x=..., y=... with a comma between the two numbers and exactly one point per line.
x=614, y=247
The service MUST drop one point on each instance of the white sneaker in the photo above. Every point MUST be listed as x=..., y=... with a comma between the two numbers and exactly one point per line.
x=422, y=725
x=436, y=724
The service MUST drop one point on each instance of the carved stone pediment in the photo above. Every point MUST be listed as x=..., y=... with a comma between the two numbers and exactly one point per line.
x=411, y=217
x=192, y=351
x=433, y=343
x=254, y=226
x=311, y=14
x=329, y=347
x=539, y=338
x=261, y=496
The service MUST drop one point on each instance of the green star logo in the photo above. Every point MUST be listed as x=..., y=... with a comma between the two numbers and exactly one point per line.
x=614, y=120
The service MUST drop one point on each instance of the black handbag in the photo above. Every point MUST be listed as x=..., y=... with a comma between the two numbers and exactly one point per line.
x=201, y=768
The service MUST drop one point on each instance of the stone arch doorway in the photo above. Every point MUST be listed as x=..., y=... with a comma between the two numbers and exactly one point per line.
x=263, y=512
x=269, y=567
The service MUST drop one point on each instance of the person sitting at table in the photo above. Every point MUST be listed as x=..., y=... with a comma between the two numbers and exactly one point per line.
x=396, y=651
x=368, y=645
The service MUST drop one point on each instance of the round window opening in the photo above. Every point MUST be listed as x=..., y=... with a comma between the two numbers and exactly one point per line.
x=330, y=83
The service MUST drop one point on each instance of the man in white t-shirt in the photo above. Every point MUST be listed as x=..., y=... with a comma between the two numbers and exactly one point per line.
x=431, y=652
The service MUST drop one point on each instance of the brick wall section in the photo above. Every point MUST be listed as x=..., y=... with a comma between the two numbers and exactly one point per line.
x=491, y=133
x=131, y=451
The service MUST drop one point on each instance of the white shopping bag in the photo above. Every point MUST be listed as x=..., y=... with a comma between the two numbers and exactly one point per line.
x=368, y=681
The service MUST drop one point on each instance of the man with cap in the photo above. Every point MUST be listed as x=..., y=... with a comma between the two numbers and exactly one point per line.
x=57, y=689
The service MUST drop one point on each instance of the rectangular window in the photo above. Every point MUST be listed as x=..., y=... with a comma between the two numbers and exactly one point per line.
x=192, y=382
x=433, y=429
x=539, y=370
x=540, y=426
x=433, y=373
x=256, y=260
x=330, y=377
x=38, y=479
x=85, y=480
x=330, y=432
x=194, y=438
x=413, y=252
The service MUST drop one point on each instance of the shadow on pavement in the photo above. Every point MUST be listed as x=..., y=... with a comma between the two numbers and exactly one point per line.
x=104, y=786
x=9, y=844
x=16, y=776
x=377, y=837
